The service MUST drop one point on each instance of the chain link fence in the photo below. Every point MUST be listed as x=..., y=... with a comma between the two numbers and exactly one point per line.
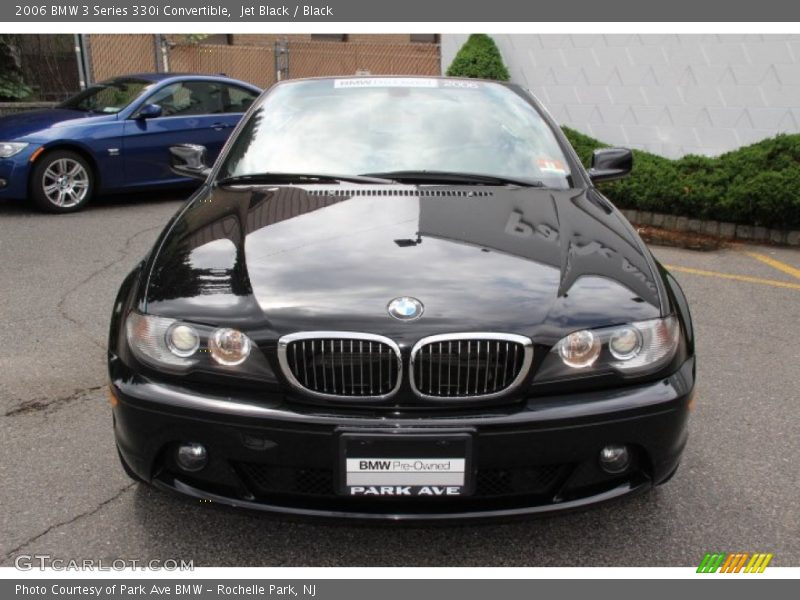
x=49, y=65
x=110, y=55
x=264, y=65
x=319, y=59
x=56, y=66
x=260, y=64
x=254, y=64
x=291, y=59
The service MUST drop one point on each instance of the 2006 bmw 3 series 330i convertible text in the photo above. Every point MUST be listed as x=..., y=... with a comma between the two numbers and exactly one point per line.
x=400, y=298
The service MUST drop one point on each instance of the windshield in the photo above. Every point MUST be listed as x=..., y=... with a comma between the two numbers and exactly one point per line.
x=384, y=125
x=107, y=97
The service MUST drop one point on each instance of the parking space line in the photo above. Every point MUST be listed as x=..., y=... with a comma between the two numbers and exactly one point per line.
x=775, y=264
x=744, y=278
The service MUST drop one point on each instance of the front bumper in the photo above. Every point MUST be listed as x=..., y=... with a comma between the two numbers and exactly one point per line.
x=533, y=458
x=14, y=172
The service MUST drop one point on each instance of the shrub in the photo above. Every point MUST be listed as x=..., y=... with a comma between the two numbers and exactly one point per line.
x=479, y=58
x=12, y=84
x=753, y=185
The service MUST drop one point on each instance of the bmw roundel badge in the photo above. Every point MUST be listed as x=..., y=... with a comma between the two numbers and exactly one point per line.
x=405, y=308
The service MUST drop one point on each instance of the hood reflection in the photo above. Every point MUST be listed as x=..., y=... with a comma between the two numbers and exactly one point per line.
x=519, y=260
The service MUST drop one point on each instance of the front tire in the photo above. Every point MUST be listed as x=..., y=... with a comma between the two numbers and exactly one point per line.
x=62, y=181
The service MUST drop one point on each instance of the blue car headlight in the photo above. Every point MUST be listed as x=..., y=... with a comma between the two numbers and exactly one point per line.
x=9, y=149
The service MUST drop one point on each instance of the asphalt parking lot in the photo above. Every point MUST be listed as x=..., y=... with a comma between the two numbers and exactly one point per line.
x=63, y=492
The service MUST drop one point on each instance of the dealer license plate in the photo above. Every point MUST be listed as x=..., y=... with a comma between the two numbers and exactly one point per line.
x=423, y=465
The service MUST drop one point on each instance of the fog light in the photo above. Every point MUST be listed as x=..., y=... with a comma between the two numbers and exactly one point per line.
x=615, y=458
x=191, y=457
x=3, y=183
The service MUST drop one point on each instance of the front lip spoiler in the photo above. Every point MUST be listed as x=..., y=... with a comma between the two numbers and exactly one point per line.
x=620, y=491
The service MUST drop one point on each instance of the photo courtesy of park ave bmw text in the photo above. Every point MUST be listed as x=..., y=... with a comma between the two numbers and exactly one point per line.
x=419, y=290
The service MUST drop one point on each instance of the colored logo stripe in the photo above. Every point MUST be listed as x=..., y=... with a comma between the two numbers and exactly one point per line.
x=734, y=562
x=711, y=562
x=758, y=563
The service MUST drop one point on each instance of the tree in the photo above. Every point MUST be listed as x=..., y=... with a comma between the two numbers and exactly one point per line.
x=479, y=58
x=12, y=85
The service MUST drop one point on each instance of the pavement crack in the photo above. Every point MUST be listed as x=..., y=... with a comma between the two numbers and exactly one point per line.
x=122, y=254
x=37, y=405
x=74, y=519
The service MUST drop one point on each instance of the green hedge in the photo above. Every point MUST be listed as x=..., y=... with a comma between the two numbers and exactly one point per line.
x=754, y=185
x=479, y=58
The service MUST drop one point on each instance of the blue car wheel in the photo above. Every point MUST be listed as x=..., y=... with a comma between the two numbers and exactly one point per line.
x=62, y=181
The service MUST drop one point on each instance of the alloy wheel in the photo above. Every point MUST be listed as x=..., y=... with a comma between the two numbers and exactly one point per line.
x=65, y=182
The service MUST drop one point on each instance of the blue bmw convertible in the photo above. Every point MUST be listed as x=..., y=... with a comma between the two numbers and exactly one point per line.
x=114, y=137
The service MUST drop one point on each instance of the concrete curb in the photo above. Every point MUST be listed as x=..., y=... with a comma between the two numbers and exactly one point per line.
x=745, y=233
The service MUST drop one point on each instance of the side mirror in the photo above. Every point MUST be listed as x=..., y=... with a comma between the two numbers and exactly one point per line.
x=610, y=163
x=189, y=160
x=149, y=111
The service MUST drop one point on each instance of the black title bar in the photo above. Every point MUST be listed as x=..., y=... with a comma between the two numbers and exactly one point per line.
x=445, y=11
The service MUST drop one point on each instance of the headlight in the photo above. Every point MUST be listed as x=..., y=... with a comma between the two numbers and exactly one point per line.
x=640, y=347
x=625, y=343
x=579, y=349
x=182, y=340
x=148, y=339
x=9, y=149
x=229, y=347
x=179, y=347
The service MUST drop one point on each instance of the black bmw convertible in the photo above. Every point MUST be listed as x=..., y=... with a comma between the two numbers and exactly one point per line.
x=400, y=298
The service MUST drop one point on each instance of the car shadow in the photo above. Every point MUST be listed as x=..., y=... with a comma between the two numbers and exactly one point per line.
x=213, y=535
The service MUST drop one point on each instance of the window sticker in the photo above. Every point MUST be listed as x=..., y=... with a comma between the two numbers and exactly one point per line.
x=461, y=84
x=372, y=82
x=551, y=165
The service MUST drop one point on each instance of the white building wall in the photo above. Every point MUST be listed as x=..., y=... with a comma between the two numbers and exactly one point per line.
x=669, y=94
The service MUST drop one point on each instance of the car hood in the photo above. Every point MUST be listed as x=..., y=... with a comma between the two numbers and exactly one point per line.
x=16, y=126
x=537, y=262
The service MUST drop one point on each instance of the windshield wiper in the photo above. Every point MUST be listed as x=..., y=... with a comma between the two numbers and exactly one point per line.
x=455, y=177
x=272, y=177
